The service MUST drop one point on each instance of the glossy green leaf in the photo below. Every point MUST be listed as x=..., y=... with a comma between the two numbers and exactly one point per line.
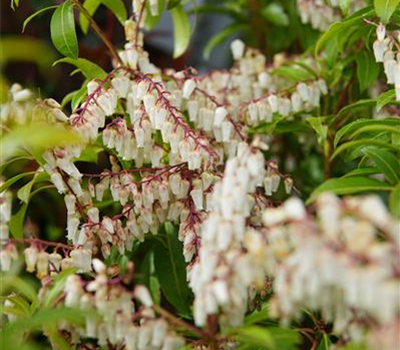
x=173, y=3
x=170, y=269
x=363, y=143
x=35, y=14
x=394, y=201
x=117, y=7
x=257, y=316
x=355, y=106
x=349, y=185
x=89, y=69
x=353, y=126
x=16, y=224
x=35, y=137
x=387, y=162
x=272, y=338
x=385, y=8
x=275, y=13
x=294, y=74
x=363, y=171
x=317, y=124
x=78, y=97
x=151, y=21
x=375, y=129
x=14, y=179
x=341, y=30
x=367, y=69
x=385, y=98
x=25, y=191
x=62, y=30
x=181, y=30
x=19, y=285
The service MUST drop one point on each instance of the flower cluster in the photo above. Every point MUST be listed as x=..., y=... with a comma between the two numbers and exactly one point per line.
x=8, y=251
x=112, y=317
x=386, y=49
x=321, y=14
x=222, y=276
x=355, y=274
x=18, y=107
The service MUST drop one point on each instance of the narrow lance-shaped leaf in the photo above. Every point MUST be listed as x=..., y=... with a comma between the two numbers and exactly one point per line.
x=181, y=30
x=89, y=69
x=117, y=7
x=387, y=162
x=170, y=268
x=385, y=8
x=394, y=201
x=62, y=30
x=35, y=14
x=367, y=70
x=349, y=185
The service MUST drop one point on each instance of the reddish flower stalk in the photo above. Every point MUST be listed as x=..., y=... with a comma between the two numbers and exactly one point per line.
x=41, y=242
x=236, y=125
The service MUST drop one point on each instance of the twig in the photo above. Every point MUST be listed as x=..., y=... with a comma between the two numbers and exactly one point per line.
x=98, y=31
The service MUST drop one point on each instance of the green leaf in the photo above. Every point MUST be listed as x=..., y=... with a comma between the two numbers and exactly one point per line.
x=35, y=137
x=35, y=14
x=363, y=171
x=221, y=36
x=90, y=154
x=375, y=129
x=355, y=106
x=384, y=99
x=78, y=97
x=387, y=162
x=273, y=338
x=256, y=336
x=89, y=69
x=316, y=124
x=17, y=284
x=91, y=7
x=62, y=30
x=170, y=269
x=367, y=69
x=57, y=286
x=295, y=74
x=20, y=304
x=6, y=164
x=24, y=192
x=14, y=179
x=341, y=30
x=181, y=30
x=363, y=142
x=325, y=343
x=257, y=316
x=151, y=21
x=351, y=127
x=349, y=185
x=16, y=224
x=385, y=8
x=117, y=7
x=275, y=13
x=173, y=3
x=394, y=201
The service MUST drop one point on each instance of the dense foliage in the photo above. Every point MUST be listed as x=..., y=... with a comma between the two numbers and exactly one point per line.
x=255, y=207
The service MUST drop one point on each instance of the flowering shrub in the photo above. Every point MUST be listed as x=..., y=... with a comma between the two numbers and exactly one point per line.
x=200, y=222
